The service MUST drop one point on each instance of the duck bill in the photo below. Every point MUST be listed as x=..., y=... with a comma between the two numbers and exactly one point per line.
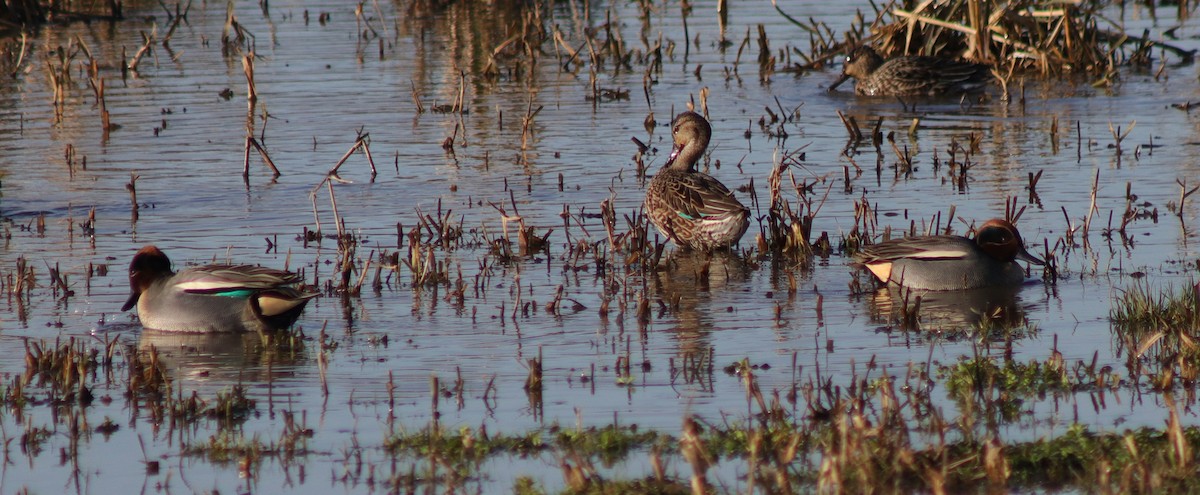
x=131, y=302
x=1024, y=255
x=675, y=149
x=838, y=82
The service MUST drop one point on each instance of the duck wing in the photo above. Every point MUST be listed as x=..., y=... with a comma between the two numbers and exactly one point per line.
x=937, y=247
x=231, y=279
x=698, y=196
x=933, y=75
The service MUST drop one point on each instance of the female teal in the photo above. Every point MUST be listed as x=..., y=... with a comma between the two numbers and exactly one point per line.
x=692, y=208
x=912, y=75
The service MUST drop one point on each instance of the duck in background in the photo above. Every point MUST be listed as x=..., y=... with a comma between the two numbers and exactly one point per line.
x=911, y=75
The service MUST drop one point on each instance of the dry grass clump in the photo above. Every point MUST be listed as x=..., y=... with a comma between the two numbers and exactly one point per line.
x=1051, y=39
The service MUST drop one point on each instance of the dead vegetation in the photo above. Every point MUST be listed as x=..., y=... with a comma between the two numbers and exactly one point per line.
x=1048, y=40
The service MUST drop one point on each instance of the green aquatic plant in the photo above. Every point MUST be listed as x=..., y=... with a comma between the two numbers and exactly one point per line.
x=1142, y=309
x=610, y=443
x=1157, y=329
x=971, y=376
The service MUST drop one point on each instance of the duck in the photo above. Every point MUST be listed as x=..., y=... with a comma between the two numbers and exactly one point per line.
x=911, y=75
x=693, y=209
x=951, y=262
x=212, y=298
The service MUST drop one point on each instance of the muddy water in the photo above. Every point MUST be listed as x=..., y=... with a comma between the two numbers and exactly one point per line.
x=319, y=84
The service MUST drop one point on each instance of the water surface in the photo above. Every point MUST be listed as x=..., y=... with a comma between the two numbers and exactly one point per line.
x=320, y=84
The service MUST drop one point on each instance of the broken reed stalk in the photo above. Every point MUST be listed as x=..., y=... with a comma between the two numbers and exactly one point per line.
x=527, y=122
x=97, y=84
x=337, y=219
x=20, y=56
x=1119, y=136
x=132, y=188
x=366, y=147
x=248, y=68
x=316, y=215
x=175, y=19
x=262, y=152
x=1184, y=192
x=362, y=141
x=851, y=126
x=416, y=99
x=1087, y=220
x=147, y=43
x=462, y=92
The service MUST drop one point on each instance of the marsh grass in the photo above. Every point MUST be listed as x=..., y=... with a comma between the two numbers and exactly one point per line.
x=1142, y=309
x=876, y=433
x=1156, y=328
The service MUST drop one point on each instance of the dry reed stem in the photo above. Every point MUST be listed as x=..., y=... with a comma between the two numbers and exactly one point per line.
x=359, y=142
x=337, y=219
x=248, y=69
x=416, y=99
x=147, y=43
x=131, y=186
x=1184, y=192
x=21, y=55
x=1092, y=208
x=527, y=122
x=251, y=142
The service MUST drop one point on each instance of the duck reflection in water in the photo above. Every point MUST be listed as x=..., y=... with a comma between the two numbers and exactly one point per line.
x=685, y=282
x=947, y=311
x=222, y=358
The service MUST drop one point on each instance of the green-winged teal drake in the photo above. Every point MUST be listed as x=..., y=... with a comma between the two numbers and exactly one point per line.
x=692, y=208
x=951, y=262
x=212, y=298
x=911, y=75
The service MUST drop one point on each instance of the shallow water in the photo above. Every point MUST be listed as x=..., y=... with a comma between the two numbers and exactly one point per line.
x=319, y=86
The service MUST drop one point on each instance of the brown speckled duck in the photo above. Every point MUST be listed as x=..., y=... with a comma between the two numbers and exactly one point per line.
x=692, y=208
x=911, y=75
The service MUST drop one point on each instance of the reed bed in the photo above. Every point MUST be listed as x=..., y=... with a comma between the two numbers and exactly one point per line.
x=1024, y=37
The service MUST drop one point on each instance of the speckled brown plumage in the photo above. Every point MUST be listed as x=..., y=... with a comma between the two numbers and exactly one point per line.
x=911, y=75
x=691, y=208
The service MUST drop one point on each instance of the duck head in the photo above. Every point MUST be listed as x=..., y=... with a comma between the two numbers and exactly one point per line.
x=1000, y=239
x=690, y=133
x=859, y=63
x=148, y=265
